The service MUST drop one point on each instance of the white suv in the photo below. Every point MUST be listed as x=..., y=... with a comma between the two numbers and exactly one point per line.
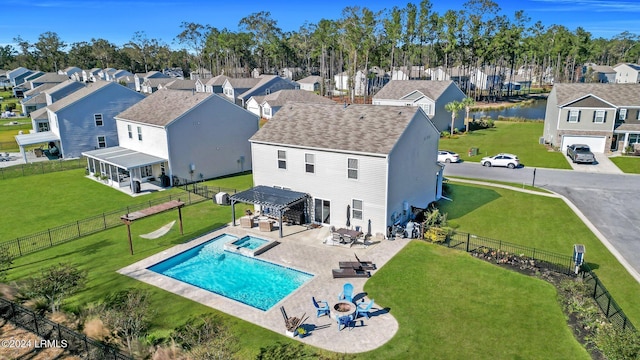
x=509, y=160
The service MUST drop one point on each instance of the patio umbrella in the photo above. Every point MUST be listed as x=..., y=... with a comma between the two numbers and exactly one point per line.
x=348, y=215
x=369, y=228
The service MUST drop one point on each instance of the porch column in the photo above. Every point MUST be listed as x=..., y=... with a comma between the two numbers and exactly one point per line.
x=233, y=212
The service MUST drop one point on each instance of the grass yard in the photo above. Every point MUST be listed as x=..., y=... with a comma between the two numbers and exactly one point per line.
x=452, y=306
x=540, y=222
x=628, y=164
x=520, y=138
x=8, y=131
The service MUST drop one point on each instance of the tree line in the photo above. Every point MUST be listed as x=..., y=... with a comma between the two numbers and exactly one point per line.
x=415, y=35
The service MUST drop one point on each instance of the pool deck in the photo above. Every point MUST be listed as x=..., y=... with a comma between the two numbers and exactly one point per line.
x=302, y=249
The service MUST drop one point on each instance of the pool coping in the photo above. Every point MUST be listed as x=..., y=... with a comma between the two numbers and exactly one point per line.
x=303, y=253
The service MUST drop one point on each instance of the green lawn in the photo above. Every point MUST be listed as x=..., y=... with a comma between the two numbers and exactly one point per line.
x=628, y=164
x=520, y=138
x=447, y=303
x=540, y=222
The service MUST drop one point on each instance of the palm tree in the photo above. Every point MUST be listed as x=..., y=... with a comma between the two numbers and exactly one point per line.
x=467, y=102
x=453, y=107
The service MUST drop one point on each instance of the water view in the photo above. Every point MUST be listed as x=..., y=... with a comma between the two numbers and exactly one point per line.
x=533, y=111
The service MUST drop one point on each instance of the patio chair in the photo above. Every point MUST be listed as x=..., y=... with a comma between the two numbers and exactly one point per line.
x=345, y=321
x=363, y=309
x=347, y=292
x=322, y=307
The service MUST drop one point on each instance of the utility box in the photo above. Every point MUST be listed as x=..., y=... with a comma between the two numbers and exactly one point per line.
x=473, y=151
x=578, y=256
x=222, y=198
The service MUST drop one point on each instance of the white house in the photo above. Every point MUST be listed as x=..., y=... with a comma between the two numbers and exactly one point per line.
x=267, y=106
x=139, y=78
x=84, y=120
x=430, y=95
x=373, y=161
x=180, y=136
x=241, y=90
x=212, y=85
x=310, y=83
x=627, y=73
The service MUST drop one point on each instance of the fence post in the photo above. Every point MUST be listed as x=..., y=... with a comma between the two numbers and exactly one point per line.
x=608, y=306
x=35, y=322
x=19, y=248
x=104, y=220
x=59, y=332
x=595, y=288
x=50, y=241
x=468, y=239
x=78, y=225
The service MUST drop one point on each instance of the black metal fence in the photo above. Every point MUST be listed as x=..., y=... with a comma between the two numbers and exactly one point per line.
x=54, y=236
x=58, y=335
x=205, y=190
x=41, y=167
x=560, y=263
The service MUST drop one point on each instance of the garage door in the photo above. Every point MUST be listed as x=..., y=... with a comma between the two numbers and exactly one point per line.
x=596, y=143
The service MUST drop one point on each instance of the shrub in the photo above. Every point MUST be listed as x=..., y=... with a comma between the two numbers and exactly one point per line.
x=617, y=344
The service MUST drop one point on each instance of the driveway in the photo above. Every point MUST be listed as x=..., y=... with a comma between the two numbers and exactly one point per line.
x=608, y=203
x=602, y=165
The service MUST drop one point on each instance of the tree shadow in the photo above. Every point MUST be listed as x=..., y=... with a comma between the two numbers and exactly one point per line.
x=474, y=198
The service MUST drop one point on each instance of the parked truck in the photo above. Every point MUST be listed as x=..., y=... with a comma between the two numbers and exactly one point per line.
x=580, y=153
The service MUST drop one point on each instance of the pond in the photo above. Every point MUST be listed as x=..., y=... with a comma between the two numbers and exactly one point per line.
x=533, y=111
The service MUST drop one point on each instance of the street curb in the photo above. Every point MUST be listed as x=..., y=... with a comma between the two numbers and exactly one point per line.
x=577, y=211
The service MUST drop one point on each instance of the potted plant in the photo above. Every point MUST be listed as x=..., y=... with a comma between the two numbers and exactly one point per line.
x=301, y=331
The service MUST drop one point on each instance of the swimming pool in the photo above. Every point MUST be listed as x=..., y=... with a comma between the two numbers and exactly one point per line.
x=252, y=281
x=249, y=242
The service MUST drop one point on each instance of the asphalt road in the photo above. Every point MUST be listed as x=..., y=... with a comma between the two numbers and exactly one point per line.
x=611, y=202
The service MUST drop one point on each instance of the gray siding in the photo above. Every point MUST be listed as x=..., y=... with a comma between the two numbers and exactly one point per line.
x=442, y=118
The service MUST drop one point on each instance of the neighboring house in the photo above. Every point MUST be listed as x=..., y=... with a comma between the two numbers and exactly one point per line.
x=61, y=90
x=430, y=95
x=592, y=73
x=627, y=73
x=46, y=78
x=91, y=75
x=604, y=116
x=21, y=82
x=15, y=76
x=438, y=74
x=487, y=78
x=310, y=83
x=33, y=103
x=182, y=135
x=241, y=90
x=84, y=120
x=212, y=85
x=152, y=85
x=267, y=106
x=178, y=84
x=200, y=73
x=70, y=71
x=409, y=73
x=375, y=162
x=127, y=80
x=39, y=120
x=174, y=73
x=361, y=83
x=140, y=78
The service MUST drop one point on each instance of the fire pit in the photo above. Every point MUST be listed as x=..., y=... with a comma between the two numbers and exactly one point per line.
x=342, y=308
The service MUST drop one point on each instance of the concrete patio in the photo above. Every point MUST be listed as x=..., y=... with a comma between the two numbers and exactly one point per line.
x=302, y=249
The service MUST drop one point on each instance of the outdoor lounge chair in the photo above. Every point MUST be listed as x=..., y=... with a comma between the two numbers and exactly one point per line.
x=322, y=307
x=363, y=309
x=362, y=265
x=347, y=292
x=345, y=321
x=350, y=273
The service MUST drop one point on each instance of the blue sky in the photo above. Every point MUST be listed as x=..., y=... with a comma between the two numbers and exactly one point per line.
x=117, y=20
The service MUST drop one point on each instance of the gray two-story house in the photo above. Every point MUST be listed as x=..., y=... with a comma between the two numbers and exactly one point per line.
x=604, y=116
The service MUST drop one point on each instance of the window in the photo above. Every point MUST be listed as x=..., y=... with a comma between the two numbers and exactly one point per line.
x=622, y=115
x=426, y=107
x=309, y=163
x=356, y=209
x=634, y=139
x=146, y=171
x=98, y=119
x=44, y=126
x=599, y=116
x=266, y=111
x=102, y=141
x=352, y=168
x=130, y=131
x=139, y=133
x=638, y=116
x=228, y=91
x=573, y=116
x=282, y=159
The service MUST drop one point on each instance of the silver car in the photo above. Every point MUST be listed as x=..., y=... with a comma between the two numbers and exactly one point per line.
x=445, y=156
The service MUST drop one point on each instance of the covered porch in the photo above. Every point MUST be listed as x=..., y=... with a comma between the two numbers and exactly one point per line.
x=274, y=203
x=49, y=141
x=126, y=169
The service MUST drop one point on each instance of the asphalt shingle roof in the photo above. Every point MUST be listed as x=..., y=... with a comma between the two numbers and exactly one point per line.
x=616, y=94
x=280, y=97
x=397, y=89
x=79, y=94
x=163, y=106
x=356, y=128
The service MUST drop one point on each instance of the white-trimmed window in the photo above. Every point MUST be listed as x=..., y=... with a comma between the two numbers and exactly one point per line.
x=140, y=133
x=266, y=111
x=352, y=168
x=599, y=116
x=282, y=159
x=356, y=209
x=130, y=131
x=228, y=91
x=426, y=108
x=622, y=114
x=146, y=171
x=310, y=163
x=574, y=116
x=638, y=116
x=102, y=141
x=98, y=119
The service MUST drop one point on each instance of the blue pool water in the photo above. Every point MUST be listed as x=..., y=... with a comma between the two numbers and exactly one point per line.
x=250, y=242
x=252, y=281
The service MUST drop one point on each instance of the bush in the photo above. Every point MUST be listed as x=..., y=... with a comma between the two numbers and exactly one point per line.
x=617, y=344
